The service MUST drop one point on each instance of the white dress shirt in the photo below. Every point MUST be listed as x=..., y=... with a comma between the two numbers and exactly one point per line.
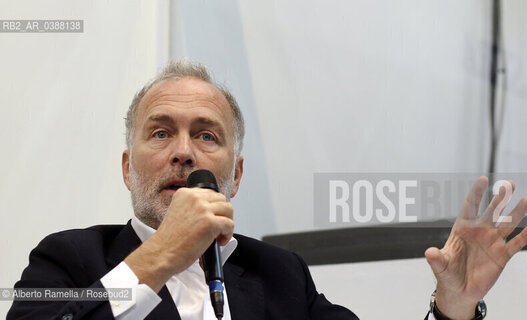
x=188, y=288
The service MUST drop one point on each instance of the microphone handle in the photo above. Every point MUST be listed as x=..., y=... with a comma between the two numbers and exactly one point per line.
x=211, y=260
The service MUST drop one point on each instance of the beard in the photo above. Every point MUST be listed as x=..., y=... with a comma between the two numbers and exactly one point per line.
x=149, y=204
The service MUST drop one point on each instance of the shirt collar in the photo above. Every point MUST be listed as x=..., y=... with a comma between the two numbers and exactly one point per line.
x=144, y=232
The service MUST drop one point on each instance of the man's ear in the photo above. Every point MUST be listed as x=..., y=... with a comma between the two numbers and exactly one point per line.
x=238, y=172
x=125, y=164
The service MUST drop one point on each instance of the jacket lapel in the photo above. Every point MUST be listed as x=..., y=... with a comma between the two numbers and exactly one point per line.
x=126, y=242
x=245, y=293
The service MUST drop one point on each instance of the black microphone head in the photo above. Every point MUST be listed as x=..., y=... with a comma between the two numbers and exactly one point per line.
x=202, y=179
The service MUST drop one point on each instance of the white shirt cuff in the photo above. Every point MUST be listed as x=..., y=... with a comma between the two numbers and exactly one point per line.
x=144, y=299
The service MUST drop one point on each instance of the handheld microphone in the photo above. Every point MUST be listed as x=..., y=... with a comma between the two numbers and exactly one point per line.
x=211, y=258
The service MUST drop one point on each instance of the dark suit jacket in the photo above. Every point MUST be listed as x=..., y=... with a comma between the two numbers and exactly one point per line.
x=262, y=281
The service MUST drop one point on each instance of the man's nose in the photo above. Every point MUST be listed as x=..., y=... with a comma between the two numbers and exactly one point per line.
x=182, y=150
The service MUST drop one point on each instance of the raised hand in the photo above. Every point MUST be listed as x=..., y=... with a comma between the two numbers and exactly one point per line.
x=476, y=251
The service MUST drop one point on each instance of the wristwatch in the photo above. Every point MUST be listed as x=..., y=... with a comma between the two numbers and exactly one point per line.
x=479, y=313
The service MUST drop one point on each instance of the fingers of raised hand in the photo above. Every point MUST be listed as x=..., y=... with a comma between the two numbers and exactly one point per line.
x=506, y=227
x=517, y=243
x=472, y=201
x=498, y=203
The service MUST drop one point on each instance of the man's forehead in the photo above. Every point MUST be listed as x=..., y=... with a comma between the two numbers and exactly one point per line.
x=184, y=90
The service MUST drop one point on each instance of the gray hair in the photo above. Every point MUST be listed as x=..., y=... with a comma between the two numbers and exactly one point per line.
x=178, y=70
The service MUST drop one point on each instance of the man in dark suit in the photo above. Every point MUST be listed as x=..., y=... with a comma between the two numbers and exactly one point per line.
x=180, y=122
x=262, y=282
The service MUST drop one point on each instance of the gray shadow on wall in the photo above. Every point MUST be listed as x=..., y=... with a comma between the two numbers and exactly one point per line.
x=212, y=33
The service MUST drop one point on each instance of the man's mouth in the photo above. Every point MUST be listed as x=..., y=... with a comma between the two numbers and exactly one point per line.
x=175, y=185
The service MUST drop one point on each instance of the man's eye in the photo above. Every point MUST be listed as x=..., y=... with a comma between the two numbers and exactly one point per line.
x=161, y=134
x=207, y=136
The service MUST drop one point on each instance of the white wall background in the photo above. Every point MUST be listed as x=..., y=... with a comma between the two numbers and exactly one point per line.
x=343, y=86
